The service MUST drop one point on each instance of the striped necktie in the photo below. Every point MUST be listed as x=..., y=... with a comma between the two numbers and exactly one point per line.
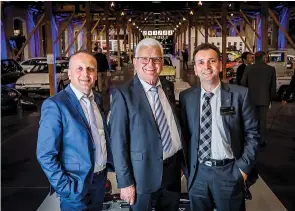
x=161, y=121
x=99, y=158
x=206, y=129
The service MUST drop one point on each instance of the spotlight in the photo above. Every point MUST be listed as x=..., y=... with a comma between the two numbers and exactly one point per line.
x=112, y=4
x=129, y=20
x=191, y=12
x=133, y=23
x=122, y=14
x=200, y=3
x=183, y=18
x=231, y=14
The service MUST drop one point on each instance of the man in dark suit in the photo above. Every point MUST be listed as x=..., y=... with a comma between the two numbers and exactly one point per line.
x=221, y=129
x=146, y=136
x=103, y=67
x=73, y=139
x=260, y=78
x=247, y=59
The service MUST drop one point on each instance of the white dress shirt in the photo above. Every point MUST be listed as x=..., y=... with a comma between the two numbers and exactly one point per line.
x=99, y=123
x=176, y=143
x=220, y=147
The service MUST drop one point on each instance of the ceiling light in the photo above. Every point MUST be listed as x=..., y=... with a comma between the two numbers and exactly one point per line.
x=176, y=26
x=129, y=20
x=200, y=3
x=137, y=27
x=168, y=19
x=145, y=19
x=122, y=14
x=191, y=12
x=231, y=14
x=133, y=23
x=229, y=5
x=112, y=4
x=183, y=18
x=179, y=23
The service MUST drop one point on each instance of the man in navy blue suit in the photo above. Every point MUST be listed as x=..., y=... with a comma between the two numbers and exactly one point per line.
x=73, y=139
x=221, y=127
x=146, y=137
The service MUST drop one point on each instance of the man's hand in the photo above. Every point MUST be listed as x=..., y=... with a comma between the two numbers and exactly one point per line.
x=245, y=176
x=284, y=102
x=128, y=194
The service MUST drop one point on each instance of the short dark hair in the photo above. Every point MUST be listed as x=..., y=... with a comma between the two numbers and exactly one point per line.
x=259, y=56
x=245, y=54
x=206, y=46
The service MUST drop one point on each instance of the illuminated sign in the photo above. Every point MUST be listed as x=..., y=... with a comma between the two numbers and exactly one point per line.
x=157, y=34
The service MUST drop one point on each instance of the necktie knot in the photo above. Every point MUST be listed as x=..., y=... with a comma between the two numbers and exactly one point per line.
x=154, y=89
x=208, y=96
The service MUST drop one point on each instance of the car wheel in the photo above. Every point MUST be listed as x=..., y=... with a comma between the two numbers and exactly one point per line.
x=61, y=86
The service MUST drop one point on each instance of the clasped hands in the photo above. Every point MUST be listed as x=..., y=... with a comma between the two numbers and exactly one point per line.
x=128, y=194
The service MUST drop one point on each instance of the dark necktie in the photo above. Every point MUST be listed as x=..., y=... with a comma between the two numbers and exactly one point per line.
x=206, y=129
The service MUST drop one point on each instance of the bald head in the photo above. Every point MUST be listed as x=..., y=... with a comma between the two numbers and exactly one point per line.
x=77, y=54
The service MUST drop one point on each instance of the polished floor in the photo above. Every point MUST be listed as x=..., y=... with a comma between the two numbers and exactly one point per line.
x=25, y=187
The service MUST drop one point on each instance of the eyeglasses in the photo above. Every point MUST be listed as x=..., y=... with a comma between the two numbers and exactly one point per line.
x=146, y=60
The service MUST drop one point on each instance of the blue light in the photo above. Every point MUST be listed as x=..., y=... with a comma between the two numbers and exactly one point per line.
x=259, y=31
x=3, y=43
x=284, y=22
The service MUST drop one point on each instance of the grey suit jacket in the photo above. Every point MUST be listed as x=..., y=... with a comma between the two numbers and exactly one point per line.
x=241, y=127
x=260, y=78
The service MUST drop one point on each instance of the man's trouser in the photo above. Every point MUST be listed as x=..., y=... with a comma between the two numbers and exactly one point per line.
x=102, y=81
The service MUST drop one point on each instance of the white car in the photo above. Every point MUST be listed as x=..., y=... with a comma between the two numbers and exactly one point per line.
x=37, y=81
x=27, y=65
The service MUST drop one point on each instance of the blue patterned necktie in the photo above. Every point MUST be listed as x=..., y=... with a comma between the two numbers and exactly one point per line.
x=161, y=121
x=206, y=129
x=99, y=158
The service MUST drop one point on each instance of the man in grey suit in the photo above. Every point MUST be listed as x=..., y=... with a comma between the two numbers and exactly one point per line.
x=260, y=78
x=222, y=135
x=146, y=139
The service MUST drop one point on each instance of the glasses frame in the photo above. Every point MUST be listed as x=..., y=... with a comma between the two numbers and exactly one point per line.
x=150, y=58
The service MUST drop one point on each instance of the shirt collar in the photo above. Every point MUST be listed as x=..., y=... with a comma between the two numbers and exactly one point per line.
x=78, y=93
x=215, y=91
x=147, y=86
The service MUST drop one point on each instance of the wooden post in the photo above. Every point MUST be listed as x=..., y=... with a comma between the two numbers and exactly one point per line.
x=196, y=31
x=224, y=30
x=88, y=27
x=271, y=13
x=189, y=40
x=75, y=38
x=125, y=41
x=264, y=24
x=248, y=22
x=118, y=40
x=30, y=36
x=64, y=28
x=92, y=30
x=235, y=28
x=106, y=15
x=129, y=42
x=50, y=55
x=206, y=25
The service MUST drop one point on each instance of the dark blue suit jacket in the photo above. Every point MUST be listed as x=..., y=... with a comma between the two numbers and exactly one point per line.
x=136, y=140
x=65, y=147
x=241, y=128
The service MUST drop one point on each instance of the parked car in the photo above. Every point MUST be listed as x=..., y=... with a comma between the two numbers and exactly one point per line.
x=37, y=81
x=12, y=100
x=169, y=71
x=279, y=60
x=10, y=72
x=30, y=63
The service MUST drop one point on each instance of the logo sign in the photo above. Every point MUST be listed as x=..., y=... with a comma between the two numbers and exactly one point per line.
x=150, y=33
x=155, y=33
x=170, y=32
x=144, y=33
x=165, y=32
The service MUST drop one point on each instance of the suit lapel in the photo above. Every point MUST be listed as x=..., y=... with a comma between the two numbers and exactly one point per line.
x=76, y=104
x=195, y=110
x=226, y=101
x=143, y=102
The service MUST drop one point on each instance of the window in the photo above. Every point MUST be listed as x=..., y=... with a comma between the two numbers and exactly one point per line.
x=26, y=62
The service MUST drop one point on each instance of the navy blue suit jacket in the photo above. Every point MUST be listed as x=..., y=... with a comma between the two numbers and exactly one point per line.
x=136, y=141
x=65, y=147
x=241, y=128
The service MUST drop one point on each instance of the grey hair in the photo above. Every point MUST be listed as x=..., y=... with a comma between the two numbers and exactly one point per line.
x=148, y=42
